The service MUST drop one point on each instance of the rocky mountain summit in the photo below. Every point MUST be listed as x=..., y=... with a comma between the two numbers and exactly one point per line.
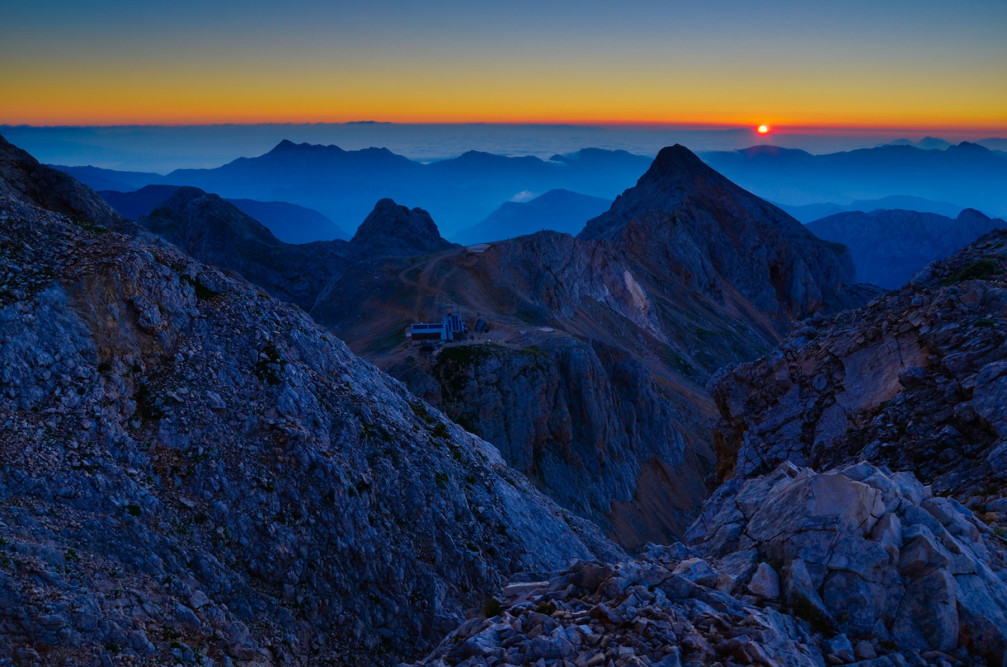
x=195, y=471
x=556, y=210
x=890, y=246
x=288, y=222
x=22, y=177
x=394, y=230
x=685, y=219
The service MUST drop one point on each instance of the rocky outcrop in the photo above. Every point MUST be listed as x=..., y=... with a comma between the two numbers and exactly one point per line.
x=590, y=382
x=914, y=380
x=792, y=568
x=588, y=424
x=601, y=344
x=213, y=230
x=890, y=246
x=22, y=177
x=684, y=219
x=394, y=230
x=192, y=469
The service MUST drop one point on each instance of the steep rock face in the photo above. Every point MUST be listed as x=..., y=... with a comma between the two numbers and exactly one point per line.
x=193, y=468
x=394, y=230
x=213, y=230
x=686, y=219
x=914, y=380
x=587, y=369
x=792, y=568
x=890, y=246
x=588, y=424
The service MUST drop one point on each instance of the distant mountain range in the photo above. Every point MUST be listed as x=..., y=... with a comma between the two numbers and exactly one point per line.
x=344, y=185
x=556, y=210
x=967, y=174
x=462, y=192
x=890, y=246
x=289, y=222
x=810, y=212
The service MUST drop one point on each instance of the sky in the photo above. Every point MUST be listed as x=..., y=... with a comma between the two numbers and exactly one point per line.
x=855, y=64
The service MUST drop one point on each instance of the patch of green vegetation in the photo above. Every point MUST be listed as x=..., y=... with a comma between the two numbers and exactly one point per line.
x=546, y=607
x=491, y=608
x=266, y=368
x=681, y=364
x=421, y=411
x=145, y=404
x=441, y=478
x=467, y=355
x=440, y=431
x=90, y=226
x=202, y=291
x=985, y=322
x=132, y=510
x=837, y=248
x=981, y=269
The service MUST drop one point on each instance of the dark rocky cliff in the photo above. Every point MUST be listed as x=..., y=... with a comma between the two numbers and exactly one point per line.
x=191, y=468
x=213, y=230
x=914, y=380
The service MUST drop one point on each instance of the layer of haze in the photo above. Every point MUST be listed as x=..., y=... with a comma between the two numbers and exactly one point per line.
x=938, y=65
x=164, y=148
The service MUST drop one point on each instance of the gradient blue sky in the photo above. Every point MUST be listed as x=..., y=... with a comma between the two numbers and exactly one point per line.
x=927, y=63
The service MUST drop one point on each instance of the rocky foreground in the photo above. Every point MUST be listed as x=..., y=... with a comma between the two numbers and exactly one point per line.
x=194, y=472
x=853, y=566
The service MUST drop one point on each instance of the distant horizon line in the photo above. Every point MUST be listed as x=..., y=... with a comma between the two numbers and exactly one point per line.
x=994, y=132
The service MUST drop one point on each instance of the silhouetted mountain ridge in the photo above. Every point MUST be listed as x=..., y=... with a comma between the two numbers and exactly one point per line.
x=557, y=210
x=890, y=246
x=967, y=173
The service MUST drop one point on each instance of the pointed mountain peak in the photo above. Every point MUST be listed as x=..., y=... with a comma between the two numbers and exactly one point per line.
x=392, y=229
x=676, y=158
x=189, y=213
x=675, y=175
x=971, y=214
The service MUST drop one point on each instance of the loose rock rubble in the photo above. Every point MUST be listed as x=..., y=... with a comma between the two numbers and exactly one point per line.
x=856, y=565
x=916, y=380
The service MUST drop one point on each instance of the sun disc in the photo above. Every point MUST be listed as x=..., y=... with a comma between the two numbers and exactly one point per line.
x=763, y=129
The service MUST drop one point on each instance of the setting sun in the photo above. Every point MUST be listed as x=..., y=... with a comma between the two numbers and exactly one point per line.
x=763, y=129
